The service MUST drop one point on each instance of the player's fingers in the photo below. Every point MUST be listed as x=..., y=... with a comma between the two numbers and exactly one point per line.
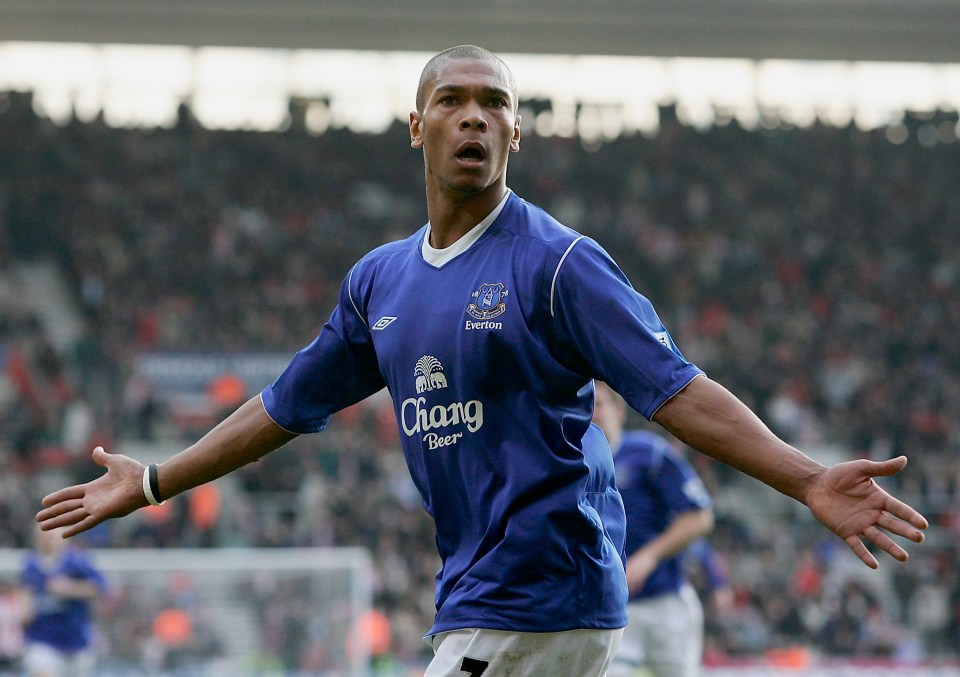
x=59, y=508
x=61, y=495
x=904, y=512
x=907, y=529
x=887, y=544
x=886, y=468
x=64, y=519
x=100, y=456
x=88, y=522
x=860, y=550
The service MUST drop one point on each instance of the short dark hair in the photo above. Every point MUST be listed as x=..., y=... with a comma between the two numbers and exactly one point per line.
x=432, y=69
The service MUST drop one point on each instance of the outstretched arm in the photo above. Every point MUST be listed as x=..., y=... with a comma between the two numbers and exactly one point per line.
x=244, y=436
x=844, y=498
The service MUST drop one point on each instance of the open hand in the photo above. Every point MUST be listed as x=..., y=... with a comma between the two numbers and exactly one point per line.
x=847, y=500
x=116, y=493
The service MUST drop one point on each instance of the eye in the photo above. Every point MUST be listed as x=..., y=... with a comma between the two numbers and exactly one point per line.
x=447, y=100
x=498, y=102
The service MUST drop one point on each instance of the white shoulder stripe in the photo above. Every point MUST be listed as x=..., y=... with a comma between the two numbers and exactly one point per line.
x=352, y=302
x=553, y=283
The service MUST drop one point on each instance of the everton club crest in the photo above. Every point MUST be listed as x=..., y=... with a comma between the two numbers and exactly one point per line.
x=488, y=302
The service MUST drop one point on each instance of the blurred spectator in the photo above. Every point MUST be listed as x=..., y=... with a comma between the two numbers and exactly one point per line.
x=14, y=612
x=63, y=584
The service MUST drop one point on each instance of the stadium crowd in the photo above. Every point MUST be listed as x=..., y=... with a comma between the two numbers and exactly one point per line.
x=814, y=271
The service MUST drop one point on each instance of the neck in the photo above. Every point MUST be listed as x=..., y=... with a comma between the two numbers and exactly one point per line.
x=453, y=215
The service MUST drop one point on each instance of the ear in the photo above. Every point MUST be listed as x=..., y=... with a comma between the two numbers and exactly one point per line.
x=515, y=141
x=416, y=130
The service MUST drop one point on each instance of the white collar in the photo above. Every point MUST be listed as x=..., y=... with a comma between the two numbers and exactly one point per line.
x=439, y=257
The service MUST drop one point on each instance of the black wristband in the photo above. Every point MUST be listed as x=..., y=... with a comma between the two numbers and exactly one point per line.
x=155, y=483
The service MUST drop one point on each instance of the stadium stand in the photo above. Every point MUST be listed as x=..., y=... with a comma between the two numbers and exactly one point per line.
x=814, y=271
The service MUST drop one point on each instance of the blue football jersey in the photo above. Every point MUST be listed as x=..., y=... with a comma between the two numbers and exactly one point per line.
x=657, y=484
x=490, y=360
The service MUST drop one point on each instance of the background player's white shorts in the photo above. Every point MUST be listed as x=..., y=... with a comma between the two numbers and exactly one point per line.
x=43, y=659
x=495, y=653
x=665, y=633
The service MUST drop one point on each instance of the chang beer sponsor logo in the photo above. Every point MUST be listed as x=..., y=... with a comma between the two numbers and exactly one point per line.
x=440, y=425
x=429, y=374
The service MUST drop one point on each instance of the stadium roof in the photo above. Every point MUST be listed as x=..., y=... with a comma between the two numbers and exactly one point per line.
x=871, y=30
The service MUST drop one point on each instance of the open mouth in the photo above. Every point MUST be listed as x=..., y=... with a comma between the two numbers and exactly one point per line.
x=471, y=153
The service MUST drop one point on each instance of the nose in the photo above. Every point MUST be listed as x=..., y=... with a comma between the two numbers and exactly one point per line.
x=473, y=118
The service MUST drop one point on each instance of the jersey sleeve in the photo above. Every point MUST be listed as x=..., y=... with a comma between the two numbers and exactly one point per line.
x=337, y=369
x=608, y=330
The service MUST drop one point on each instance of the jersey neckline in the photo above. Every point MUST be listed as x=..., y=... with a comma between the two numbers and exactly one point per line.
x=440, y=257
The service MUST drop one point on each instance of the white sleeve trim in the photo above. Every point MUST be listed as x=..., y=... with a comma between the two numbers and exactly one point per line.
x=654, y=412
x=352, y=302
x=553, y=283
x=262, y=404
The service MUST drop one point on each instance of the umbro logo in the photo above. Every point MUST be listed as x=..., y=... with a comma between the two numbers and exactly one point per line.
x=383, y=323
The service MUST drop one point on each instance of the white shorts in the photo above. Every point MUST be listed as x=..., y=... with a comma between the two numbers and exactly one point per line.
x=665, y=633
x=495, y=653
x=43, y=659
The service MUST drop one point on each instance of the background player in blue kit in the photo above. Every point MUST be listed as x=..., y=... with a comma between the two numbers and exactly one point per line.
x=668, y=508
x=63, y=584
x=488, y=326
